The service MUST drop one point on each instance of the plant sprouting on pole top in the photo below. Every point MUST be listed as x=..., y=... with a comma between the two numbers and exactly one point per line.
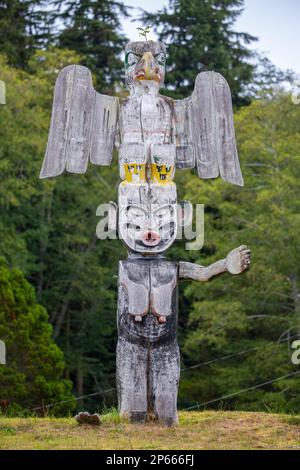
x=144, y=31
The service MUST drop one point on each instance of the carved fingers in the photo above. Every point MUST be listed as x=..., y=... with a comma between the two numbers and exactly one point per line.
x=245, y=258
x=238, y=260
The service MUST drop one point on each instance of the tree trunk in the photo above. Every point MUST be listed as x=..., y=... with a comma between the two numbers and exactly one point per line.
x=79, y=381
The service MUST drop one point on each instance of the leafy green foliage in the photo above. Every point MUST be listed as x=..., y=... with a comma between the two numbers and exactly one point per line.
x=35, y=364
x=241, y=328
x=143, y=32
x=257, y=312
x=48, y=228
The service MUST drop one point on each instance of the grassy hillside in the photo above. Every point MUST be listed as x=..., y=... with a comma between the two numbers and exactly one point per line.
x=197, y=430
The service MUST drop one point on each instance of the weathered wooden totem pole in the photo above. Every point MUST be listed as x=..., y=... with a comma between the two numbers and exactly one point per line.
x=154, y=134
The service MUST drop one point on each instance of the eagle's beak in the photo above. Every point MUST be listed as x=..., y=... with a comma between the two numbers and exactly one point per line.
x=148, y=60
x=148, y=69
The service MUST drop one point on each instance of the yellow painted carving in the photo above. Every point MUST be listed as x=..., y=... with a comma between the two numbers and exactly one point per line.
x=162, y=174
x=135, y=172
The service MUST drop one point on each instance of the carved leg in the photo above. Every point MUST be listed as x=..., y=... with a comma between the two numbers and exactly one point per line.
x=165, y=372
x=132, y=362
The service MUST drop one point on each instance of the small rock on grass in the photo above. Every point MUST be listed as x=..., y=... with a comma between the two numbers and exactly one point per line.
x=86, y=418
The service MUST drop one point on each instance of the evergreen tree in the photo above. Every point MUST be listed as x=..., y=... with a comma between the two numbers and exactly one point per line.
x=251, y=320
x=47, y=228
x=200, y=36
x=35, y=364
x=24, y=27
x=93, y=30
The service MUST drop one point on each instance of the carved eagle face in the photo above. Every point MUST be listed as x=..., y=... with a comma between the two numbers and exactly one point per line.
x=145, y=61
x=147, y=217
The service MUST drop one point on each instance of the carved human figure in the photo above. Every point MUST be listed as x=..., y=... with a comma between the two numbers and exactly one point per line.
x=148, y=360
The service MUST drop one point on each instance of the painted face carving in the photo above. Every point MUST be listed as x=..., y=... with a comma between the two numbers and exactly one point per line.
x=147, y=217
x=145, y=61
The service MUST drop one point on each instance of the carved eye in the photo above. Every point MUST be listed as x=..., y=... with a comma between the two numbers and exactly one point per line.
x=135, y=214
x=131, y=59
x=164, y=213
x=160, y=58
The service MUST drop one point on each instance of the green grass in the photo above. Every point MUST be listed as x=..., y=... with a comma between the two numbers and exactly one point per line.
x=196, y=430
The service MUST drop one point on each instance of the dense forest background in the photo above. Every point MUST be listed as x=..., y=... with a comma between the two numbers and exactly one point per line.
x=58, y=281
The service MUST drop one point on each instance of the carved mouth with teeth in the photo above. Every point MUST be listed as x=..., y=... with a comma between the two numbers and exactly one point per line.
x=142, y=75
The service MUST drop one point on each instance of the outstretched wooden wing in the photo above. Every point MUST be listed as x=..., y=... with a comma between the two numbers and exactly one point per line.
x=83, y=124
x=205, y=130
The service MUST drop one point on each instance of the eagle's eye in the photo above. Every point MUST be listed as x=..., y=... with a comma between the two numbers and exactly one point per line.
x=131, y=59
x=161, y=58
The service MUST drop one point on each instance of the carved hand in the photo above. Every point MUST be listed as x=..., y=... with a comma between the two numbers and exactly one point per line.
x=238, y=260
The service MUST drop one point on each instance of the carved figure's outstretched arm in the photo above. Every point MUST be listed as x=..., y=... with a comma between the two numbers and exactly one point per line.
x=236, y=262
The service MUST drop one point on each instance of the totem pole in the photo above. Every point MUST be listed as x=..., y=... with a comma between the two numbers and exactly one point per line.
x=153, y=135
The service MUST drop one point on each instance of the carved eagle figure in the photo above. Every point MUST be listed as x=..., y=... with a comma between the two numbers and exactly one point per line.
x=153, y=133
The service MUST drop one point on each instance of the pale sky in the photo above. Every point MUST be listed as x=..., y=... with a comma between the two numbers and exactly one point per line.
x=275, y=22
